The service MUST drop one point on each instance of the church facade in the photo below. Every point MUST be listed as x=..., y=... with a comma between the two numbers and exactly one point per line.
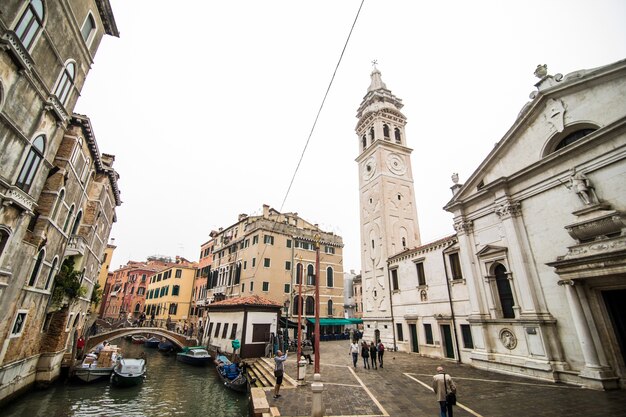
x=532, y=282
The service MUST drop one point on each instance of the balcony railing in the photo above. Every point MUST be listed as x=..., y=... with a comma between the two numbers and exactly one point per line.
x=76, y=246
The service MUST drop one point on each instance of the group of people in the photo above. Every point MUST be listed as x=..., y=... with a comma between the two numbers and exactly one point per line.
x=373, y=352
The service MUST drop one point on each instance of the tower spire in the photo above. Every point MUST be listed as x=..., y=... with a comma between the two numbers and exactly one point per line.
x=377, y=82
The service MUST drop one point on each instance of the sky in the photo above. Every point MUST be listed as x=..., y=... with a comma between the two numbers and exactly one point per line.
x=208, y=105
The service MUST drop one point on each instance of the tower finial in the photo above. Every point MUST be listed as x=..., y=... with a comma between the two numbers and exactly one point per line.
x=374, y=63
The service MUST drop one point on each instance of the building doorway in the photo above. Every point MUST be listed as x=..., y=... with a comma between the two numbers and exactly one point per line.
x=376, y=335
x=414, y=344
x=616, y=307
x=448, y=347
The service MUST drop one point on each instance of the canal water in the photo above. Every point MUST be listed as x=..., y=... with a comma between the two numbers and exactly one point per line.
x=171, y=388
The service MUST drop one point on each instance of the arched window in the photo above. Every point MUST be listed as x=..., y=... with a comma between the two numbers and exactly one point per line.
x=77, y=223
x=573, y=137
x=175, y=289
x=504, y=292
x=386, y=131
x=77, y=150
x=76, y=319
x=329, y=277
x=4, y=239
x=310, y=275
x=66, y=82
x=396, y=132
x=364, y=142
x=37, y=268
x=88, y=27
x=137, y=307
x=310, y=306
x=299, y=270
x=58, y=204
x=372, y=135
x=68, y=218
x=85, y=171
x=297, y=303
x=30, y=23
x=33, y=159
x=51, y=273
x=330, y=307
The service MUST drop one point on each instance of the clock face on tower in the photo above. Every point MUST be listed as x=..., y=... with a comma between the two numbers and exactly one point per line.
x=395, y=163
x=369, y=168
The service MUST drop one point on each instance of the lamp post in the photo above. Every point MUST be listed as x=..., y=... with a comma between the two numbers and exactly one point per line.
x=317, y=303
x=299, y=331
x=285, y=337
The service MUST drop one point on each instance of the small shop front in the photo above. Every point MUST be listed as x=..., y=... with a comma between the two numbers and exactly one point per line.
x=333, y=328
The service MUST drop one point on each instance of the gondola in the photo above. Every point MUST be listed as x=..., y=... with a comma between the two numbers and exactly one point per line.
x=232, y=375
x=138, y=339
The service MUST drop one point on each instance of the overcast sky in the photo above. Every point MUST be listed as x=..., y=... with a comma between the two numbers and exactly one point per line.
x=207, y=105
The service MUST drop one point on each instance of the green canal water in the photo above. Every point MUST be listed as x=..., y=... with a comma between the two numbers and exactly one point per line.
x=171, y=388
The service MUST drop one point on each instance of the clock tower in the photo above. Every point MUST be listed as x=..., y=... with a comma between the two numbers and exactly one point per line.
x=387, y=201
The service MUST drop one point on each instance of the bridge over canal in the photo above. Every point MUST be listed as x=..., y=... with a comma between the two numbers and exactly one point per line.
x=178, y=339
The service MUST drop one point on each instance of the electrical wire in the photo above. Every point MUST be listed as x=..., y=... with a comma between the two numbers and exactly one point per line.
x=319, y=111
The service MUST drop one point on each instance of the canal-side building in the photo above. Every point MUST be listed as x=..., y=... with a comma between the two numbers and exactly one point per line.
x=102, y=278
x=250, y=319
x=197, y=315
x=46, y=52
x=270, y=255
x=170, y=292
x=541, y=230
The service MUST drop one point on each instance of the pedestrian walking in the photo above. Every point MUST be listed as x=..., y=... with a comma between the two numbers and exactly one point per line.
x=443, y=385
x=381, y=351
x=365, y=354
x=373, y=352
x=279, y=370
x=354, y=351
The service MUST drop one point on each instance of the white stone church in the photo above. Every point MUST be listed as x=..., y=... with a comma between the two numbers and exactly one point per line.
x=533, y=282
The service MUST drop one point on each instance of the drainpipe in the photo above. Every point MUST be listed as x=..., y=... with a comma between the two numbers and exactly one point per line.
x=456, y=339
x=393, y=323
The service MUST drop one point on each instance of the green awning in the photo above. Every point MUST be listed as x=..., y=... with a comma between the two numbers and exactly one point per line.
x=331, y=322
x=355, y=321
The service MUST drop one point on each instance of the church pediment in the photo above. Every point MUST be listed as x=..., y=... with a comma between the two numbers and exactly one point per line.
x=559, y=118
x=491, y=250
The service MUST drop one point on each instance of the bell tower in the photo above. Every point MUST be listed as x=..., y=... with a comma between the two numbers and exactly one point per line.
x=387, y=201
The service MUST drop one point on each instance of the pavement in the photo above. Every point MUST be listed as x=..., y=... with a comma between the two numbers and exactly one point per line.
x=402, y=388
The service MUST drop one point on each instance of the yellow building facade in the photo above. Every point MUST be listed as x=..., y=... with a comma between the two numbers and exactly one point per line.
x=170, y=294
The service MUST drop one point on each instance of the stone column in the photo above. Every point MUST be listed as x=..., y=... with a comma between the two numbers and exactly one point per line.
x=580, y=324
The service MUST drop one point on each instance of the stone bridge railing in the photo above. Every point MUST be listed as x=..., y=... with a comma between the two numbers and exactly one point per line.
x=176, y=338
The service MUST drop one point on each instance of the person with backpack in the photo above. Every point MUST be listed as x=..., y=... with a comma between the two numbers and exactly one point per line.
x=445, y=390
x=373, y=354
x=381, y=351
x=365, y=354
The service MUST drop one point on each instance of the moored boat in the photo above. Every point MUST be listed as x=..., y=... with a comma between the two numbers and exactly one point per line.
x=96, y=367
x=128, y=372
x=233, y=375
x=138, y=339
x=198, y=356
x=153, y=342
x=166, y=346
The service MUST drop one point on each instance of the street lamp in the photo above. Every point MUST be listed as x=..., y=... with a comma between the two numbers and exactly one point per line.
x=285, y=336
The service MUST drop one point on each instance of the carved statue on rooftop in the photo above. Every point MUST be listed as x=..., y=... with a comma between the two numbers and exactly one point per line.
x=541, y=71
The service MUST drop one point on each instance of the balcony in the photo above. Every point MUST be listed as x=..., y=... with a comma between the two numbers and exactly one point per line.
x=11, y=42
x=219, y=290
x=19, y=198
x=76, y=246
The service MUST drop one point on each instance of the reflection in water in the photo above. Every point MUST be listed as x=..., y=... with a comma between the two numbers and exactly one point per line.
x=171, y=388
